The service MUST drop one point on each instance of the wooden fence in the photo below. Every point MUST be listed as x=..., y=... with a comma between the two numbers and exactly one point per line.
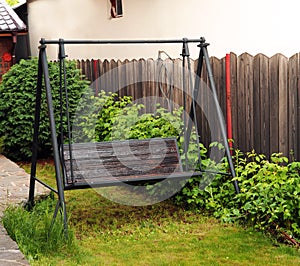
x=265, y=94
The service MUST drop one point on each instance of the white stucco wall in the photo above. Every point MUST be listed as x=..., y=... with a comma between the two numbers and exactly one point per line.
x=256, y=26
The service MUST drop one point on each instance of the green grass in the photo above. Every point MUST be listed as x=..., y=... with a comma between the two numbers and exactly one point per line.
x=30, y=229
x=163, y=234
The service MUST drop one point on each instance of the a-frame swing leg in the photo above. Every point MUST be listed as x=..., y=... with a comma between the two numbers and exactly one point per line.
x=203, y=46
x=203, y=56
x=38, y=96
x=43, y=71
x=187, y=128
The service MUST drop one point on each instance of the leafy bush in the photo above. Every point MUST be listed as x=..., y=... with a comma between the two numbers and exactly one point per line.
x=131, y=125
x=110, y=117
x=268, y=198
x=17, y=106
x=33, y=231
x=269, y=192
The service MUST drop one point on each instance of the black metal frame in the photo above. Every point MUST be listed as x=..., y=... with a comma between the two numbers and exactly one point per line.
x=43, y=73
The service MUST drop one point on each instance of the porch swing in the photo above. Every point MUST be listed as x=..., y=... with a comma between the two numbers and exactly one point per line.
x=104, y=164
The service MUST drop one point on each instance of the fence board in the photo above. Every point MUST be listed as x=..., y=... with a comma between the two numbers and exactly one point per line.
x=217, y=69
x=245, y=100
x=261, y=105
x=241, y=103
x=283, y=128
x=125, y=73
x=114, y=78
x=105, y=76
x=130, y=77
x=257, y=108
x=292, y=94
x=274, y=101
x=121, y=75
x=177, y=80
x=151, y=82
x=234, y=98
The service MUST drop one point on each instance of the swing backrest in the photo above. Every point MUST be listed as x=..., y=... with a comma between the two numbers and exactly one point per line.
x=109, y=163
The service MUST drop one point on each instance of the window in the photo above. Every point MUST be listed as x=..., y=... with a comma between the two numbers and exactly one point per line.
x=116, y=10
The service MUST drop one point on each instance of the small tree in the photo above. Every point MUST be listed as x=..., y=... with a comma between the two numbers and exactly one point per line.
x=17, y=106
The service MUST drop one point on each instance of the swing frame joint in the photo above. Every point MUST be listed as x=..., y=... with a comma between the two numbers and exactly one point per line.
x=203, y=43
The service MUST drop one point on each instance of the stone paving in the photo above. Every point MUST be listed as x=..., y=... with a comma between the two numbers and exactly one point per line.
x=14, y=189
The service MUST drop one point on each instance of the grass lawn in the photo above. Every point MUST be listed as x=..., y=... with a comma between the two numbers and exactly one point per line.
x=162, y=234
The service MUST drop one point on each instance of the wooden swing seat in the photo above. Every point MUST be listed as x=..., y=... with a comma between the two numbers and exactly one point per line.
x=131, y=161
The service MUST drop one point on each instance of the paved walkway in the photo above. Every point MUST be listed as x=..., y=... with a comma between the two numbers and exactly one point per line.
x=14, y=188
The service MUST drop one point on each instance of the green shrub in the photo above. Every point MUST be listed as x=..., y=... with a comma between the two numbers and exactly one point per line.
x=131, y=125
x=268, y=198
x=17, y=106
x=270, y=192
x=110, y=117
x=210, y=191
x=110, y=112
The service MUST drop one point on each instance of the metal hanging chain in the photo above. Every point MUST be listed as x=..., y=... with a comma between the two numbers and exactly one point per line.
x=169, y=93
x=193, y=109
x=185, y=146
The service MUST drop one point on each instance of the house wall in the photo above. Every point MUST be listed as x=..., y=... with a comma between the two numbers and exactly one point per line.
x=256, y=26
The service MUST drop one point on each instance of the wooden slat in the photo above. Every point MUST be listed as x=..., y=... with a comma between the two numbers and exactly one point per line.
x=92, y=150
x=125, y=78
x=89, y=69
x=216, y=65
x=274, y=101
x=82, y=65
x=234, y=98
x=127, y=159
x=120, y=76
x=177, y=80
x=283, y=132
x=151, y=84
x=243, y=122
x=106, y=76
x=241, y=103
x=249, y=103
x=114, y=77
x=256, y=102
x=261, y=113
x=142, y=86
x=294, y=77
x=135, y=74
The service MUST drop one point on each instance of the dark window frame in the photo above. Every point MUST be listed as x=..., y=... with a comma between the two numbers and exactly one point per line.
x=116, y=10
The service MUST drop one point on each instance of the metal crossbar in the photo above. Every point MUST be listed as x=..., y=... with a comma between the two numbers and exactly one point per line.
x=62, y=41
